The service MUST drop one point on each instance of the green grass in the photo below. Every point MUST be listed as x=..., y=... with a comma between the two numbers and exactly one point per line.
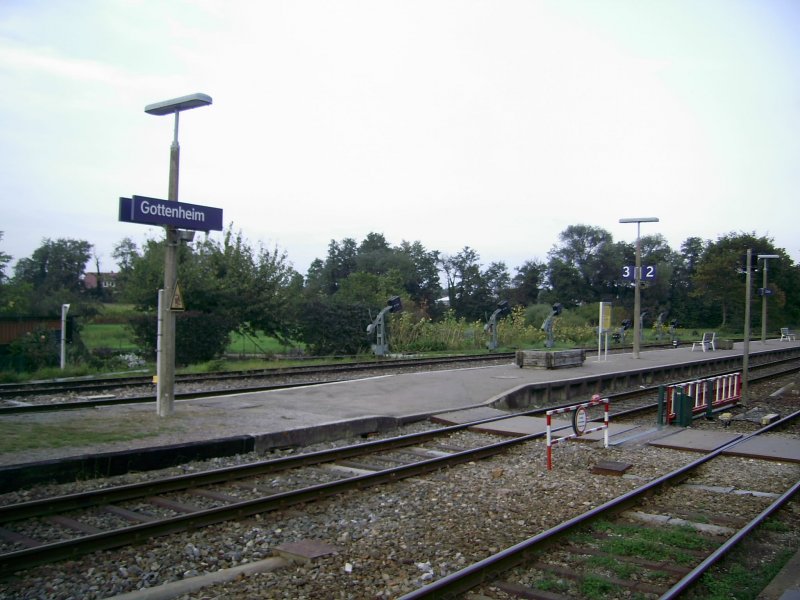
x=596, y=587
x=741, y=581
x=652, y=544
x=116, y=336
x=17, y=435
x=552, y=585
x=256, y=344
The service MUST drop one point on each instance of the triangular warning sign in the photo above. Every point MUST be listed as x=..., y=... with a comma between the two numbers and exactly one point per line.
x=177, y=300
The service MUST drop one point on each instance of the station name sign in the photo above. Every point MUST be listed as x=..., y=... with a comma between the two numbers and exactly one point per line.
x=154, y=211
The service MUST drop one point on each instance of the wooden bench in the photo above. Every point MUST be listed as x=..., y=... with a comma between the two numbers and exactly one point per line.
x=787, y=335
x=708, y=342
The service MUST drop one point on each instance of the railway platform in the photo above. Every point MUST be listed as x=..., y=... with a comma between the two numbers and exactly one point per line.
x=265, y=420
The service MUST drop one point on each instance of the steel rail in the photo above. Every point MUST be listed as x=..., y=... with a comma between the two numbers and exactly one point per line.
x=81, y=404
x=47, y=506
x=69, y=549
x=691, y=578
x=26, y=509
x=483, y=571
x=46, y=553
x=18, y=389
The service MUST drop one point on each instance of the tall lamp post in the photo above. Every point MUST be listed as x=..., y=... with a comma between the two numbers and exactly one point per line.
x=766, y=258
x=746, y=343
x=166, y=356
x=637, y=278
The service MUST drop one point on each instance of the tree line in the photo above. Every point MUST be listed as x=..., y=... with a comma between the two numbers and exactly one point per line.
x=231, y=285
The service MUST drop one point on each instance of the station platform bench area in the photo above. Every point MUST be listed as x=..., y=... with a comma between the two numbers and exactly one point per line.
x=707, y=343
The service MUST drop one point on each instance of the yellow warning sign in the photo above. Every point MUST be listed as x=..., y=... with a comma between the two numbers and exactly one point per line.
x=177, y=300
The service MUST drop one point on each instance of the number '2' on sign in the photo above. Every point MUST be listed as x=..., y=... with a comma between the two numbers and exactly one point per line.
x=648, y=272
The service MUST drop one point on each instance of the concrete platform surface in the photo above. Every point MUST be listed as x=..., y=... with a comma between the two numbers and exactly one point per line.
x=774, y=447
x=696, y=440
x=283, y=417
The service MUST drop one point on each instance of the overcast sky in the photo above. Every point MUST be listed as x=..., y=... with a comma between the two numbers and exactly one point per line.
x=489, y=124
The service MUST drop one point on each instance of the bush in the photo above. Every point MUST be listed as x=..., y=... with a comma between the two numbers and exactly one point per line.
x=330, y=327
x=37, y=349
x=199, y=337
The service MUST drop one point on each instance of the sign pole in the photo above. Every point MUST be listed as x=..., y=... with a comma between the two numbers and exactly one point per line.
x=746, y=344
x=166, y=378
x=166, y=362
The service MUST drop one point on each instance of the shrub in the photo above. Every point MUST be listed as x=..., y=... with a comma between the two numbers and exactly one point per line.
x=198, y=336
x=330, y=327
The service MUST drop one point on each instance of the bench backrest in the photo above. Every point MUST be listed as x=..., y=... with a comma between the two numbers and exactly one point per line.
x=784, y=330
x=709, y=337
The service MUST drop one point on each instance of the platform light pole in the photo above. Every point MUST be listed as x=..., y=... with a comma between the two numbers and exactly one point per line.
x=746, y=343
x=637, y=278
x=165, y=370
x=766, y=258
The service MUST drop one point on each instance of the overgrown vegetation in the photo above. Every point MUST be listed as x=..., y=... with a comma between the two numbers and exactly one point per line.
x=231, y=287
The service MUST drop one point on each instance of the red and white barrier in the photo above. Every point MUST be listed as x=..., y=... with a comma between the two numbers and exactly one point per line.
x=579, y=422
x=727, y=389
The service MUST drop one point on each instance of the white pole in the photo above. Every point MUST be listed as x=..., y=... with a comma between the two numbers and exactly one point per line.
x=162, y=410
x=64, y=311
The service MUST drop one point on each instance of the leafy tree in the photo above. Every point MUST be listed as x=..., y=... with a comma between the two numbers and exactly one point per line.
x=4, y=260
x=685, y=309
x=231, y=284
x=54, y=275
x=471, y=291
x=527, y=283
x=420, y=275
x=340, y=262
x=719, y=278
x=374, y=255
x=584, y=267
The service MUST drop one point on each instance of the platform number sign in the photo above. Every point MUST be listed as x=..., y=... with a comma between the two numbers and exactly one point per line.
x=648, y=272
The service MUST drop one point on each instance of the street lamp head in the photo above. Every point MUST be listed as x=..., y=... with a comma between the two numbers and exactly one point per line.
x=640, y=220
x=768, y=256
x=169, y=107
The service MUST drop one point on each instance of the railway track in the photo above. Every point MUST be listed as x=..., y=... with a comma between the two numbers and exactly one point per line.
x=303, y=376
x=645, y=542
x=49, y=529
x=190, y=502
x=304, y=373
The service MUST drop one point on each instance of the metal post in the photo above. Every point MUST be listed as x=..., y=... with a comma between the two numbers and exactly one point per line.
x=764, y=305
x=637, y=298
x=159, y=345
x=166, y=375
x=746, y=346
x=64, y=311
x=766, y=258
x=637, y=278
x=166, y=358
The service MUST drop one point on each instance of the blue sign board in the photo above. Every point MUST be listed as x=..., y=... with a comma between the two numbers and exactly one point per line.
x=153, y=211
x=648, y=273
